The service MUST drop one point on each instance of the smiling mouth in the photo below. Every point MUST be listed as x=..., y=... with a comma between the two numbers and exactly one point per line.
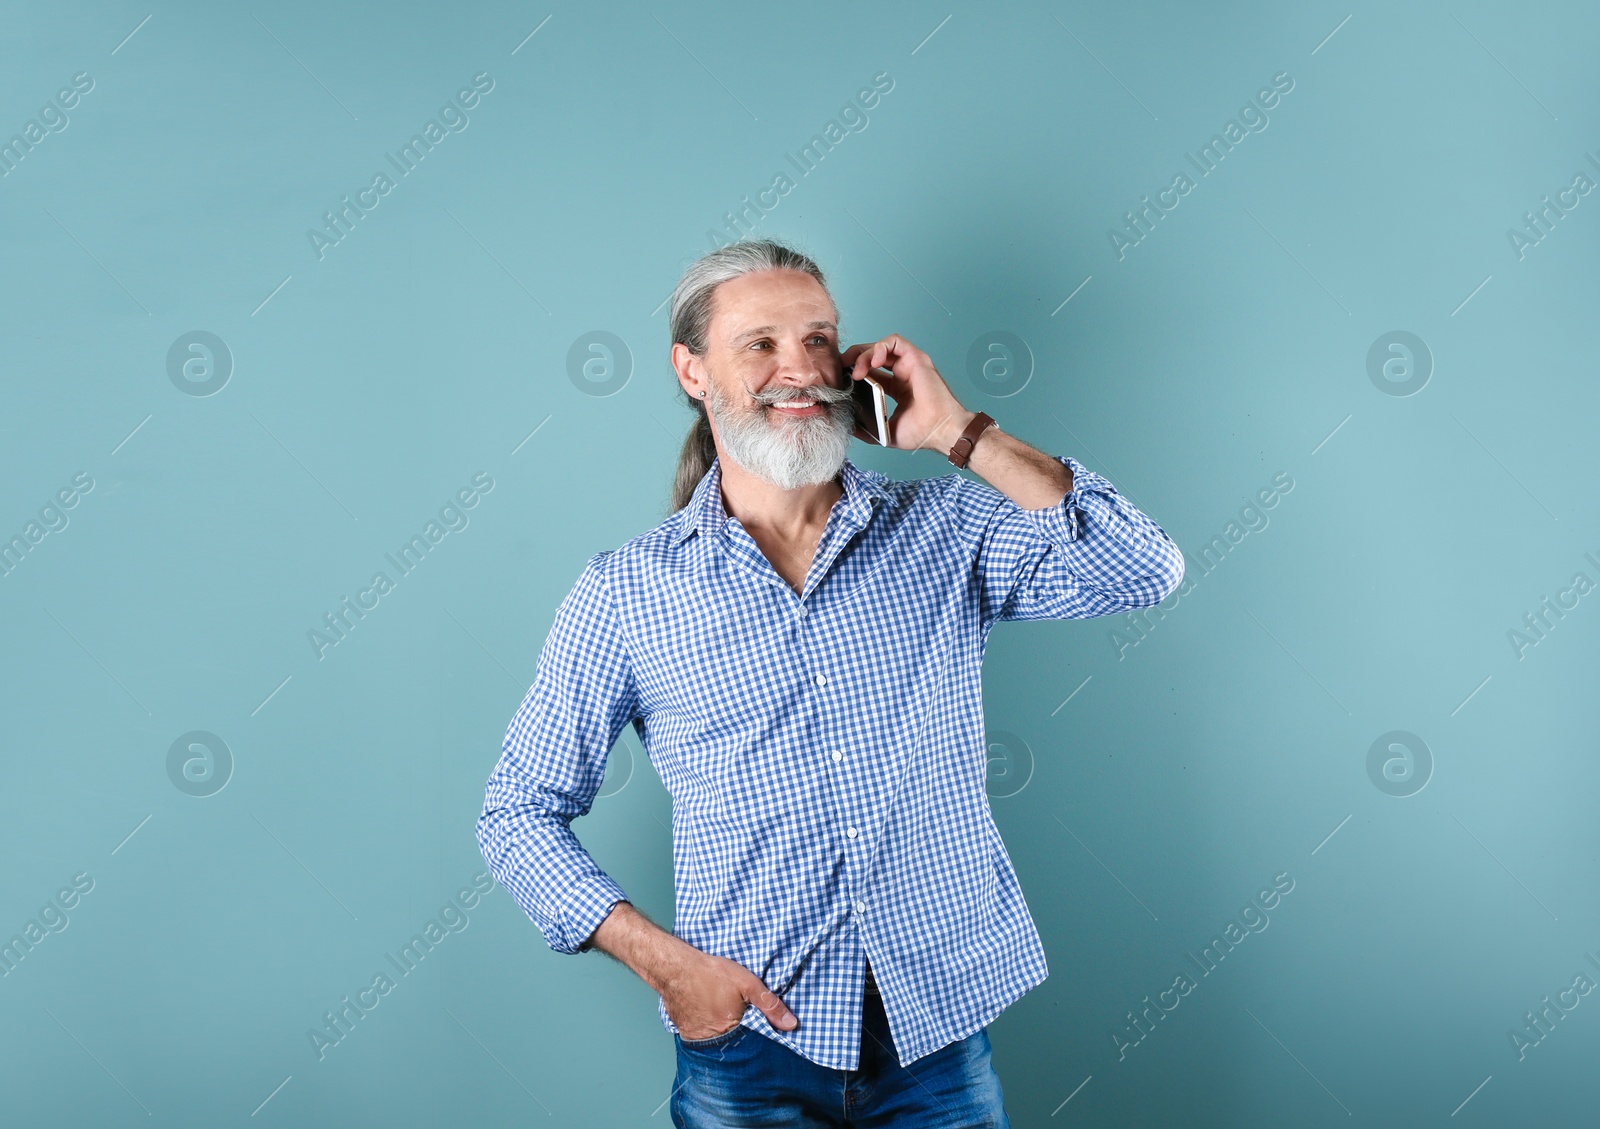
x=797, y=407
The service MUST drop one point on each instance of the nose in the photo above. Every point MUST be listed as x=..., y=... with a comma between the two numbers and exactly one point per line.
x=803, y=367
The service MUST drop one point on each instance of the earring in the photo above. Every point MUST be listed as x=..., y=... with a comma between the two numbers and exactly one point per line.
x=702, y=392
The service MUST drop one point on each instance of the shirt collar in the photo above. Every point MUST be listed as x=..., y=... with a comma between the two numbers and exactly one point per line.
x=704, y=512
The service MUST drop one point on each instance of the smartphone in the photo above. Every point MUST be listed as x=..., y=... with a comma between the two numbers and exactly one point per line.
x=872, y=408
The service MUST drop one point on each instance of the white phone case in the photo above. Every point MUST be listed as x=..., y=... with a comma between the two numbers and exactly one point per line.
x=880, y=412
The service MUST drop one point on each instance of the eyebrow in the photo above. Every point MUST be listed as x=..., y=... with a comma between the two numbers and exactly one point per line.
x=760, y=329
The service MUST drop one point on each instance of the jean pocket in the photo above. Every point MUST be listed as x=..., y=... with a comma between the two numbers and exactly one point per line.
x=715, y=1041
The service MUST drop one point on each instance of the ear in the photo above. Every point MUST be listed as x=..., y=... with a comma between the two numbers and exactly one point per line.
x=691, y=372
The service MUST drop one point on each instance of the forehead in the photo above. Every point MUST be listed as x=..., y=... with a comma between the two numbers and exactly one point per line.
x=769, y=301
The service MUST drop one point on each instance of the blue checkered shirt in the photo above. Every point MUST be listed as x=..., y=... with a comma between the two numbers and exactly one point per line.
x=824, y=751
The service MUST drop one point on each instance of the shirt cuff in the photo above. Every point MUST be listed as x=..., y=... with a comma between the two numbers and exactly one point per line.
x=1063, y=522
x=586, y=908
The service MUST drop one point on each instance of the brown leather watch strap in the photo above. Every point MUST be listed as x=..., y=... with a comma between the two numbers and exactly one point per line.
x=962, y=451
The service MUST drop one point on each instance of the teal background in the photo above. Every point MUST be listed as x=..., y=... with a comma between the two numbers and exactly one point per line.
x=1227, y=747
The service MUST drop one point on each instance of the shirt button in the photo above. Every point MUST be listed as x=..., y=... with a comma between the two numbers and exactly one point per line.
x=861, y=907
x=851, y=831
x=837, y=755
x=822, y=680
x=801, y=612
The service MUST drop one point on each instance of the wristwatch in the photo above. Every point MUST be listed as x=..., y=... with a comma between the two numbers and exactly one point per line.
x=962, y=451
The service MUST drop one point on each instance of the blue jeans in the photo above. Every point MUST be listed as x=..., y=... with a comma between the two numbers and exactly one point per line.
x=743, y=1078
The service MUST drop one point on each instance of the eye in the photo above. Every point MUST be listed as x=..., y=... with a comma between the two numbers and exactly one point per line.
x=820, y=339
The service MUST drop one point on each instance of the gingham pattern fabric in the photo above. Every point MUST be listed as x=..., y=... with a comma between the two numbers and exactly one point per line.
x=824, y=751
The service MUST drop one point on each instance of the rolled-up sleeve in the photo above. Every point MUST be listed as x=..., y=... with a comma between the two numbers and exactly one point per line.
x=1092, y=554
x=551, y=765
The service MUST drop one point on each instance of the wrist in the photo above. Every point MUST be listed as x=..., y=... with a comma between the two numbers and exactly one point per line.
x=946, y=435
x=966, y=444
x=676, y=960
x=654, y=955
x=665, y=958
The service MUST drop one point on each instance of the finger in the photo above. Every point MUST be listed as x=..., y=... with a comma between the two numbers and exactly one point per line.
x=851, y=360
x=897, y=347
x=776, y=1011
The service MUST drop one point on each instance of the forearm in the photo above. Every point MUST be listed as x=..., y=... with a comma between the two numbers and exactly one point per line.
x=1108, y=555
x=628, y=936
x=1025, y=474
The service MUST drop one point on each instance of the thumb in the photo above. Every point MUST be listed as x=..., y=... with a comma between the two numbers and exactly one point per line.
x=776, y=1011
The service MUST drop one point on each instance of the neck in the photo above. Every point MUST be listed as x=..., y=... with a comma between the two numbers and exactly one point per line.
x=760, y=505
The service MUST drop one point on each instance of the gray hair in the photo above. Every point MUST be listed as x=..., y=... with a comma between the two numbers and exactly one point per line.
x=691, y=323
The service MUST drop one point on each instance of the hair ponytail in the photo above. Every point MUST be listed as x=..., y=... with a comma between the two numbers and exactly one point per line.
x=699, y=448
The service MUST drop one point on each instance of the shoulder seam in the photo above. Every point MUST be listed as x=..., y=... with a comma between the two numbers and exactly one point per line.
x=604, y=571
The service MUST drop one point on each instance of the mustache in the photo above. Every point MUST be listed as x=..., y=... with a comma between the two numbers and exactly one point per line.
x=822, y=394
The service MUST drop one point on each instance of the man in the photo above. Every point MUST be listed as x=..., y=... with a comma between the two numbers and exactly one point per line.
x=799, y=648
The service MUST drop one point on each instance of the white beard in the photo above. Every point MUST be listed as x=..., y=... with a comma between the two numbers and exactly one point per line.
x=788, y=452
